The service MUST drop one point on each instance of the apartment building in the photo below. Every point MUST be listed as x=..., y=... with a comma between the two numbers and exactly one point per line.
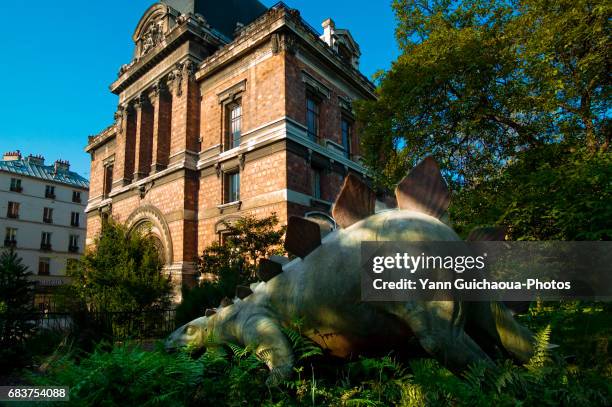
x=42, y=215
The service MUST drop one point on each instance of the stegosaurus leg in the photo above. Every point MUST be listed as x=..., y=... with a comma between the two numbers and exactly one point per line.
x=270, y=344
x=440, y=335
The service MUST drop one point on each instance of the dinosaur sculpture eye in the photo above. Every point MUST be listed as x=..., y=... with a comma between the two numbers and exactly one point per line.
x=190, y=330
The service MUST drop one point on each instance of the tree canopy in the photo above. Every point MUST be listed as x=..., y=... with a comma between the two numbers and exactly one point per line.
x=480, y=81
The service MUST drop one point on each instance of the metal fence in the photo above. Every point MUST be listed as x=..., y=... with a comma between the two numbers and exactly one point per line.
x=115, y=325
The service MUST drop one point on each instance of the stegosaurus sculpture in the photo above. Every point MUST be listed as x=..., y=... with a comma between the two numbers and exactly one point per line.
x=322, y=288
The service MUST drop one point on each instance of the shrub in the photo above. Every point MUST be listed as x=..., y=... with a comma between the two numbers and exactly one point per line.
x=16, y=309
x=123, y=272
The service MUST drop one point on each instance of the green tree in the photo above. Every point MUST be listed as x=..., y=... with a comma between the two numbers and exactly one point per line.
x=246, y=241
x=122, y=272
x=550, y=193
x=16, y=308
x=232, y=263
x=479, y=81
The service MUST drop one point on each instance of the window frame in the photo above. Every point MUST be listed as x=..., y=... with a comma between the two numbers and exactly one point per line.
x=316, y=178
x=73, y=243
x=45, y=240
x=107, y=181
x=76, y=196
x=47, y=215
x=10, y=236
x=16, y=185
x=12, y=210
x=231, y=179
x=233, y=137
x=74, y=219
x=46, y=262
x=50, y=191
x=316, y=101
x=349, y=135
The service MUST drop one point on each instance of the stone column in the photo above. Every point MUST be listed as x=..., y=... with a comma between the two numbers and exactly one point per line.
x=144, y=136
x=161, y=99
x=126, y=138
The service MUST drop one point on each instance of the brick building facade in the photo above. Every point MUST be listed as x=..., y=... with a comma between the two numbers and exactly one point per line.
x=227, y=109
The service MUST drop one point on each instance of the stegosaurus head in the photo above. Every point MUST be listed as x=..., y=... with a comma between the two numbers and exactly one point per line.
x=194, y=334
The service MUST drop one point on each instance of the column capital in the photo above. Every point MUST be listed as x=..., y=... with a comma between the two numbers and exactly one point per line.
x=141, y=101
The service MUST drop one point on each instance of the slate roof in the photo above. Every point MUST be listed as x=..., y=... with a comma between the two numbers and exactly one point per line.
x=43, y=172
x=221, y=14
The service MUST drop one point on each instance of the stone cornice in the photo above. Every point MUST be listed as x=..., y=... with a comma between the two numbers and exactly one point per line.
x=261, y=30
x=101, y=138
x=281, y=129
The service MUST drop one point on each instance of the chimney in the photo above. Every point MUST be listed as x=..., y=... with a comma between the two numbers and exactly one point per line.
x=35, y=159
x=12, y=156
x=61, y=166
x=328, y=32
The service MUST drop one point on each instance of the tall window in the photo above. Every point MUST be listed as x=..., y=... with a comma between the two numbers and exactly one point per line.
x=316, y=183
x=45, y=241
x=312, y=118
x=232, y=187
x=48, y=215
x=44, y=268
x=347, y=130
x=76, y=196
x=234, y=125
x=13, y=210
x=10, y=238
x=73, y=244
x=108, y=180
x=16, y=185
x=74, y=219
x=50, y=192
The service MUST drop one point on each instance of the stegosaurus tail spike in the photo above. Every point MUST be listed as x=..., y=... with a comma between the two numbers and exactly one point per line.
x=226, y=302
x=356, y=201
x=424, y=190
x=303, y=236
x=487, y=233
x=242, y=292
x=268, y=269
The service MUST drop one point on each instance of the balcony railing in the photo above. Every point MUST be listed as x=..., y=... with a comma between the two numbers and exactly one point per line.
x=15, y=188
x=73, y=249
x=45, y=246
x=48, y=220
x=50, y=195
x=10, y=243
x=12, y=215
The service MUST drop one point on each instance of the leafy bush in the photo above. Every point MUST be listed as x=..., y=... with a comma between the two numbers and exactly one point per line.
x=123, y=272
x=125, y=376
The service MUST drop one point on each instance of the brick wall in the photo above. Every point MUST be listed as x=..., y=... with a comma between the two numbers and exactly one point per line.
x=262, y=100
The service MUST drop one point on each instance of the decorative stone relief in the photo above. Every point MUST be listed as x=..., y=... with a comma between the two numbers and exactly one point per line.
x=152, y=37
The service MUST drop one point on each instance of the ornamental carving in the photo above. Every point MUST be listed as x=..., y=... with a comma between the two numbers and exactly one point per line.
x=153, y=36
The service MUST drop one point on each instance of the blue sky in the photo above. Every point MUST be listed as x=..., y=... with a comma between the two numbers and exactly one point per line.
x=58, y=59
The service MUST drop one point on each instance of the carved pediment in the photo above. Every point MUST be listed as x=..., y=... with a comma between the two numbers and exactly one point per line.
x=151, y=30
